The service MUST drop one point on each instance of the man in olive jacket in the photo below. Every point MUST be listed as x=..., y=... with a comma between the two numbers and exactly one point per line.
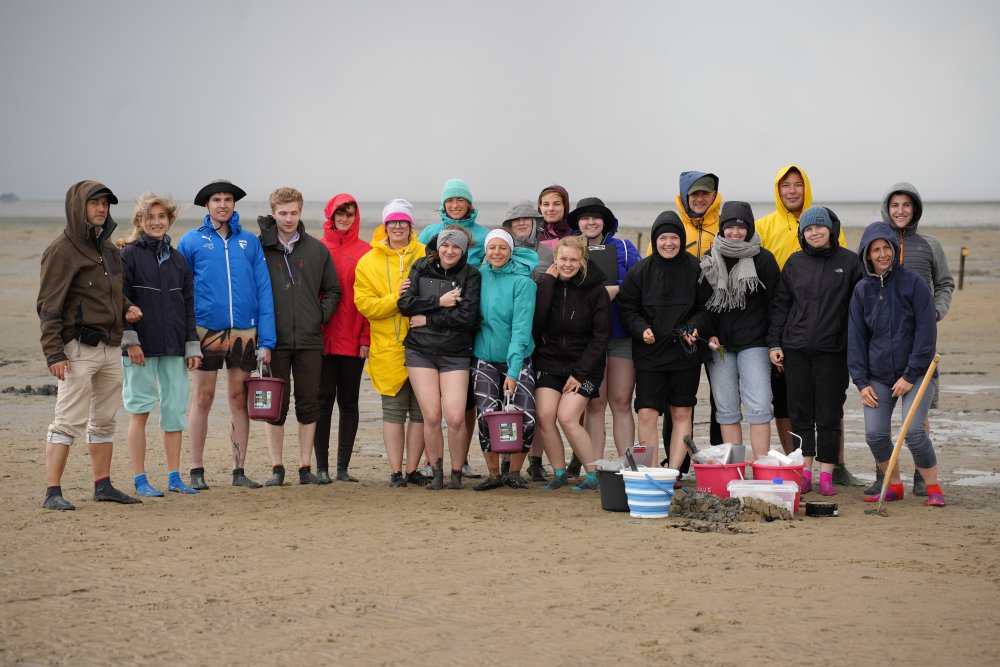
x=306, y=292
x=81, y=308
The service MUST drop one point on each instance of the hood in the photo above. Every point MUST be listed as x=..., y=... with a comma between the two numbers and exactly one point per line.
x=330, y=232
x=873, y=232
x=918, y=204
x=523, y=209
x=737, y=210
x=807, y=195
x=687, y=179
x=522, y=262
x=834, y=235
x=269, y=230
x=668, y=221
x=77, y=227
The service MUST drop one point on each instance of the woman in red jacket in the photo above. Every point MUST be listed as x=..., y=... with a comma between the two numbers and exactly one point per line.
x=345, y=341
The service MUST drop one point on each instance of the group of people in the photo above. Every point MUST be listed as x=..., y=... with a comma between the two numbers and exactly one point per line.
x=549, y=313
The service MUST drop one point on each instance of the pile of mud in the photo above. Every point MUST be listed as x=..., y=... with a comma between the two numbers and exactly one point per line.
x=709, y=513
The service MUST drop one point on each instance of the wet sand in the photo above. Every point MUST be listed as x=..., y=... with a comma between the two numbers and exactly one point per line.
x=364, y=574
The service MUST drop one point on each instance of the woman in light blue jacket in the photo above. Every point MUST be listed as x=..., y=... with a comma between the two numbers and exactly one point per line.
x=503, y=347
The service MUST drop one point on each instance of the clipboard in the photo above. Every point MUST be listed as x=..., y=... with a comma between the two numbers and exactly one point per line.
x=434, y=286
x=605, y=257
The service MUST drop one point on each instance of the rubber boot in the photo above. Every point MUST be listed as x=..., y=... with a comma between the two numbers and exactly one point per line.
x=919, y=485
x=876, y=486
x=456, y=480
x=535, y=469
x=437, y=482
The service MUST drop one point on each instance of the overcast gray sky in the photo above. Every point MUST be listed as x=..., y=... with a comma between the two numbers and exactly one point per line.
x=389, y=99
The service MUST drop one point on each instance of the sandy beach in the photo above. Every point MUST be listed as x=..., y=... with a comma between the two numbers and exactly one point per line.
x=360, y=574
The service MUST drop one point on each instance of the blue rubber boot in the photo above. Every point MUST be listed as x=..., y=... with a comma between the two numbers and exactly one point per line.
x=176, y=484
x=144, y=488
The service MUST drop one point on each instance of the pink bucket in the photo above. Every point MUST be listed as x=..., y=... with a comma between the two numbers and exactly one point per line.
x=506, y=429
x=264, y=397
x=713, y=478
x=787, y=473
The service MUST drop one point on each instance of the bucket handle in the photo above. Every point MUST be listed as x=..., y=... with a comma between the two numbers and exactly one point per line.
x=260, y=368
x=507, y=397
x=656, y=483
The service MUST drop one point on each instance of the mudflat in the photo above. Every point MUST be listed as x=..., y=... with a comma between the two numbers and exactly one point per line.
x=364, y=574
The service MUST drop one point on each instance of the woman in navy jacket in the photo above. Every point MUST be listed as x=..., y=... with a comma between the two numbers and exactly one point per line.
x=158, y=280
x=891, y=340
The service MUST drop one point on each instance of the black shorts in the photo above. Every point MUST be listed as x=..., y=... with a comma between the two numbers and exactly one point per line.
x=658, y=389
x=232, y=348
x=589, y=388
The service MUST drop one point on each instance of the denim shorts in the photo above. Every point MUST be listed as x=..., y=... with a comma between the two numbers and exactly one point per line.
x=742, y=377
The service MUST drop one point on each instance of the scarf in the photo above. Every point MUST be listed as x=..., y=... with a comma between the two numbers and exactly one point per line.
x=729, y=288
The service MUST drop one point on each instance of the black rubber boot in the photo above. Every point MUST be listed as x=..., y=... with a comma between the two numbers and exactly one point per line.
x=919, y=485
x=344, y=476
x=876, y=486
x=504, y=468
x=198, y=479
x=573, y=468
x=104, y=492
x=306, y=476
x=456, y=480
x=57, y=502
x=437, y=482
x=536, y=471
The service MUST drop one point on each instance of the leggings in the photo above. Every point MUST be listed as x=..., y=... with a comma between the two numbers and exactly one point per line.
x=340, y=381
x=487, y=381
x=878, y=423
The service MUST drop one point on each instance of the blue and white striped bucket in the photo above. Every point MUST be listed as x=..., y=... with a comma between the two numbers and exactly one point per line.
x=649, y=491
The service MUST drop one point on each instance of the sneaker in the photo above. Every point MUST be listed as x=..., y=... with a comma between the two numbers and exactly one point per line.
x=57, y=502
x=113, y=495
x=428, y=471
x=934, y=500
x=306, y=476
x=467, y=471
x=556, y=482
x=344, y=476
x=843, y=476
x=396, y=480
x=417, y=478
x=919, y=485
x=323, y=475
x=876, y=486
x=515, y=481
x=456, y=480
x=488, y=484
x=198, y=480
x=588, y=483
x=240, y=479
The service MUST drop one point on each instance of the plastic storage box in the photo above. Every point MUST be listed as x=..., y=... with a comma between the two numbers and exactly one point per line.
x=782, y=493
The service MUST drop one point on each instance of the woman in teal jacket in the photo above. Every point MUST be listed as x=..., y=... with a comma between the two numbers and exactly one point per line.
x=503, y=347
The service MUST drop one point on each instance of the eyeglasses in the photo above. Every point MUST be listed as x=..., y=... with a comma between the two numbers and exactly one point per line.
x=397, y=223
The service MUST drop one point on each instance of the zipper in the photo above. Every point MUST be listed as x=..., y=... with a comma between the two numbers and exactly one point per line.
x=229, y=280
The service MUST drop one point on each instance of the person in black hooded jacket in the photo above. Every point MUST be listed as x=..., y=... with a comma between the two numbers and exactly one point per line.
x=442, y=302
x=662, y=304
x=743, y=276
x=808, y=339
x=572, y=329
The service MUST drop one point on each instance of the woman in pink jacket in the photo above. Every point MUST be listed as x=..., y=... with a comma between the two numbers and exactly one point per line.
x=345, y=341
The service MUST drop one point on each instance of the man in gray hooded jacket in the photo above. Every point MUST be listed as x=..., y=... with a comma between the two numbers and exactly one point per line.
x=902, y=208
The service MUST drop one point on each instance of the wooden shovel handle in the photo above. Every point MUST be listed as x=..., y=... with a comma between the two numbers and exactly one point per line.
x=906, y=424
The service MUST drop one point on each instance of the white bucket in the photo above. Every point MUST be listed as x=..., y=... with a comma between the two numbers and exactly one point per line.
x=649, y=491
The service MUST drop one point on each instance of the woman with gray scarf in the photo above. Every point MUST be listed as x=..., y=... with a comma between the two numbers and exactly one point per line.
x=743, y=277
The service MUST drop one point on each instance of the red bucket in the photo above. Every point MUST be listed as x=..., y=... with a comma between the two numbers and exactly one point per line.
x=506, y=429
x=712, y=478
x=787, y=473
x=264, y=397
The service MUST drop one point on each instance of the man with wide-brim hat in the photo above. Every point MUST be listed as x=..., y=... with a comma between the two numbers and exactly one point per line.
x=234, y=314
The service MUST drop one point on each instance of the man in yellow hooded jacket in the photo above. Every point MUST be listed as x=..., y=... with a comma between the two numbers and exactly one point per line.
x=698, y=205
x=779, y=233
x=381, y=276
